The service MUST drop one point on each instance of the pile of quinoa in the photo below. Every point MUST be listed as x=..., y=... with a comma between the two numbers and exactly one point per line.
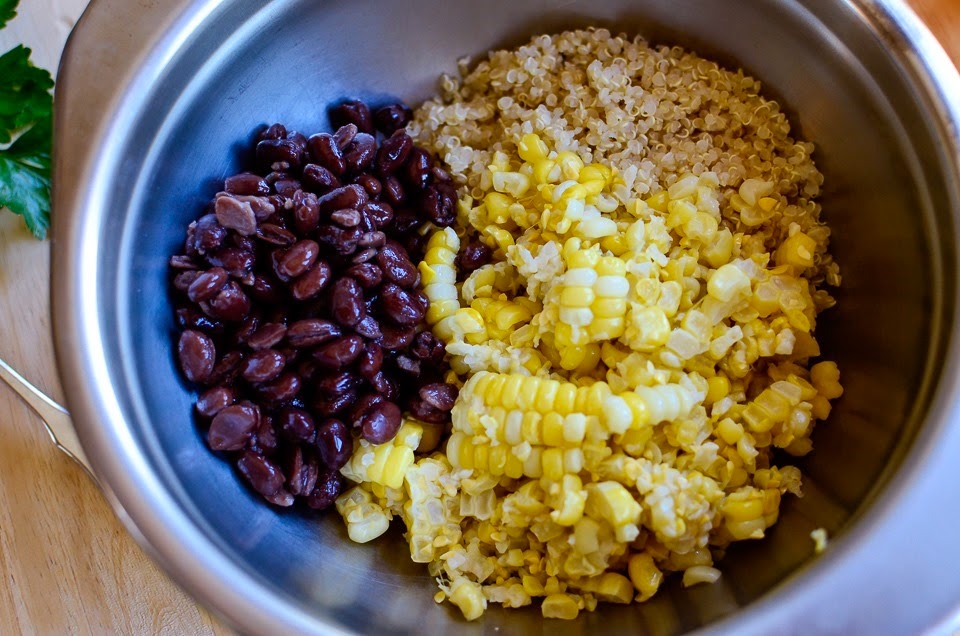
x=655, y=112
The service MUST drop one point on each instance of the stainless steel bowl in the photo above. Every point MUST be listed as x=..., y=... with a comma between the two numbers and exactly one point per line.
x=154, y=106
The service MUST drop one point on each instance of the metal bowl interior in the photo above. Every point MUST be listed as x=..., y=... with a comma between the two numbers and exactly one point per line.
x=157, y=105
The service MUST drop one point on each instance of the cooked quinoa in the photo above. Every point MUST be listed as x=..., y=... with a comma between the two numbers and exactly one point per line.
x=639, y=344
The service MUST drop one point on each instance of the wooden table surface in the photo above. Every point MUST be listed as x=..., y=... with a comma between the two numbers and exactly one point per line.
x=66, y=563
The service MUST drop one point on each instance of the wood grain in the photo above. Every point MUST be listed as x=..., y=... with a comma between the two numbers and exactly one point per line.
x=66, y=563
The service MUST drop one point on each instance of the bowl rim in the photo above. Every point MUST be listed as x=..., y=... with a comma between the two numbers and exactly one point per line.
x=93, y=109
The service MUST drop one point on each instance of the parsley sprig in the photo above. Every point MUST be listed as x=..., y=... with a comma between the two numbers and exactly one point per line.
x=26, y=123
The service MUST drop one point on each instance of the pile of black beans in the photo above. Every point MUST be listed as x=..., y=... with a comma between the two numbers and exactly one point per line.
x=299, y=305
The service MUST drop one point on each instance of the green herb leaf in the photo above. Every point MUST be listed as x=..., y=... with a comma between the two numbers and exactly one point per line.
x=8, y=9
x=25, y=178
x=26, y=108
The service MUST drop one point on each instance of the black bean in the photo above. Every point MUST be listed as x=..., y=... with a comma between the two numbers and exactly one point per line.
x=396, y=337
x=324, y=151
x=276, y=235
x=426, y=412
x=304, y=481
x=380, y=214
x=281, y=498
x=394, y=153
x=268, y=335
x=331, y=405
x=182, y=262
x=283, y=389
x=369, y=328
x=230, y=304
x=236, y=215
x=265, y=438
x=263, y=366
x=183, y=280
x=287, y=188
x=367, y=274
x=298, y=139
x=190, y=318
x=338, y=383
x=246, y=183
x=400, y=305
x=439, y=206
x=227, y=368
x=391, y=118
x=362, y=406
x=360, y=153
x=326, y=491
x=334, y=443
x=208, y=284
x=214, y=400
x=348, y=196
x=275, y=131
x=405, y=221
x=344, y=135
x=263, y=207
x=278, y=154
x=319, y=179
x=313, y=282
x=197, y=355
x=264, y=475
x=370, y=183
x=381, y=423
x=297, y=259
x=246, y=329
x=237, y=262
x=396, y=266
x=393, y=191
x=427, y=347
x=311, y=332
x=265, y=289
x=347, y=306
x=473, y=256
x=296, y=425
x=409, y=365
x=233, y=426
x=347, y=217
x=417, y=170
x=372, y=239
x=339, y=353
x=208, y=234
x=371, y=360
x=306, y=215
x=366, y=255
x=439, y=395
x=342, y=241
x=352, y=112
x=383, y=384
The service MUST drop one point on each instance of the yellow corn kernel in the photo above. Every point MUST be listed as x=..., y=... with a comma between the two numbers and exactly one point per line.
x=552, y=462
x=718, y=387
x=729, y=431
x=614, y=588
x=728, y=283
x=645, y=575
x=515, y=184
x=659, y=201
x=468, y=596
x=498, y=207
x=825, y=376
x=573, y=499
x=719, y=251
x=532, y=586
x=532, y=148
x=610, y=501
x=797, y=250
x=562, y=606
x=570, y=164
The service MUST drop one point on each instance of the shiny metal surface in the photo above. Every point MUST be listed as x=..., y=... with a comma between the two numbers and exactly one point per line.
x=154, y=103
x=54, y=417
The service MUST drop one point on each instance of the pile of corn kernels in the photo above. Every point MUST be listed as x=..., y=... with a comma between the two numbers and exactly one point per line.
x=638, y=344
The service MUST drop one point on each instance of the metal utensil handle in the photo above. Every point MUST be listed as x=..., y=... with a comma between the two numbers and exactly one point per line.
x=54, y=417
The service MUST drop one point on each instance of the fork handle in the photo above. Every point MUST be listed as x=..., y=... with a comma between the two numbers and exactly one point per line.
x=54, y=417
